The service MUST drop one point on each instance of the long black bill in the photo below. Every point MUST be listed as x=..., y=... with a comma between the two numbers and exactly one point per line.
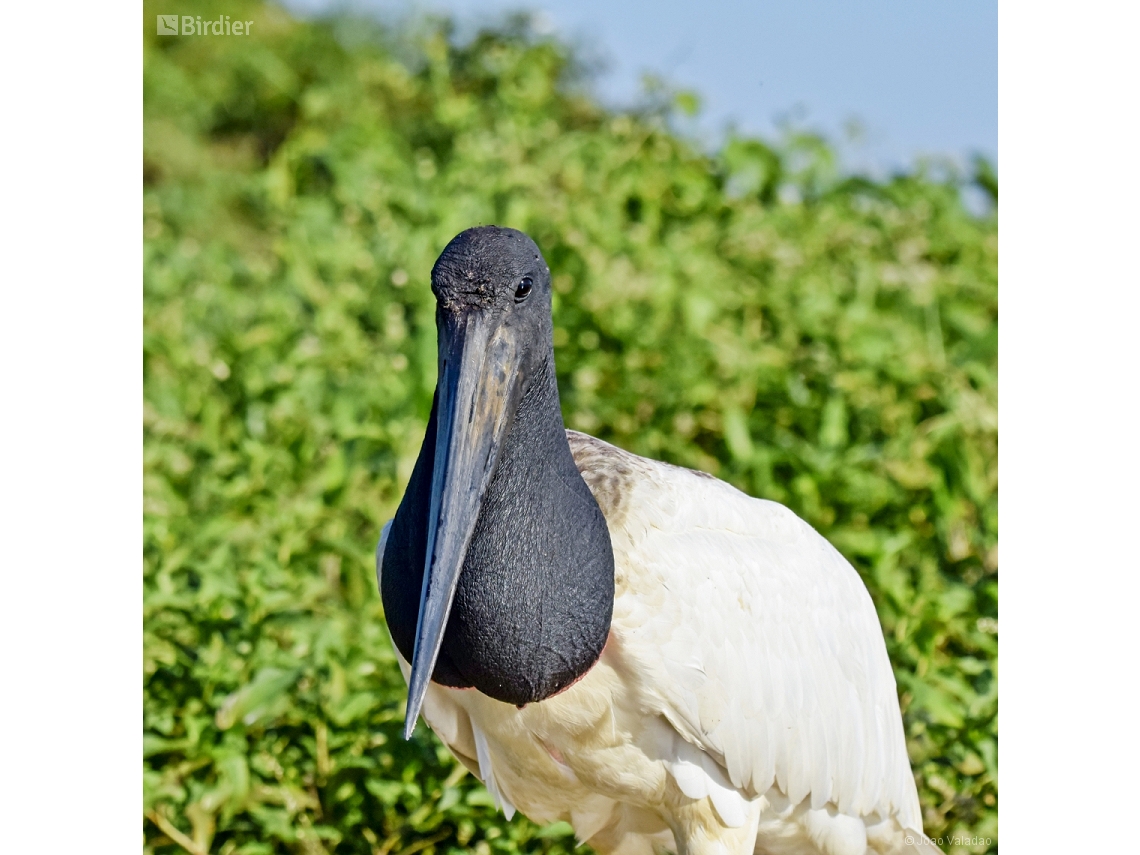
x=478, y=367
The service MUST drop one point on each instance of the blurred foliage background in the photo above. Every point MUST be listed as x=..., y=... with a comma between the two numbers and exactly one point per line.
x=823, y=340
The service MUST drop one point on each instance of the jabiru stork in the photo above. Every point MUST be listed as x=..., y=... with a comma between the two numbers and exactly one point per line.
x=638, y=649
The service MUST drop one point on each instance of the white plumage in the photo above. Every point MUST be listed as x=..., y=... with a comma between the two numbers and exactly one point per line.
x=744, y=701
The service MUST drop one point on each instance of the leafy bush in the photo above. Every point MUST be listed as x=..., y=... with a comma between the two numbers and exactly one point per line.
x=827, y=342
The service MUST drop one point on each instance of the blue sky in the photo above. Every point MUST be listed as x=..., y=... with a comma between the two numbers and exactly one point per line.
x=918, y=76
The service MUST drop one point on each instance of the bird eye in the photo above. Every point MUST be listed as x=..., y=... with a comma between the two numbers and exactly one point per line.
x=523, y=291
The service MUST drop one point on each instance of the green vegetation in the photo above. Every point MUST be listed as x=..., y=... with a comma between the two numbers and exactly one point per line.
x=824, y=341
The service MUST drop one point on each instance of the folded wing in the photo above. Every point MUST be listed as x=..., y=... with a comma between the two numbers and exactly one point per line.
x=756, y=639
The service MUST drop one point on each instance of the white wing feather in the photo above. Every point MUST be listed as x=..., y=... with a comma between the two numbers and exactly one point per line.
x=758, y=639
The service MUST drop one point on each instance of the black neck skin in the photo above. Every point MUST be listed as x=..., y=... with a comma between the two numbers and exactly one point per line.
x=532, y=610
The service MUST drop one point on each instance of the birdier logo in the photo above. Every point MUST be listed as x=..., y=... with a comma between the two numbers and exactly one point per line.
x=193, y=25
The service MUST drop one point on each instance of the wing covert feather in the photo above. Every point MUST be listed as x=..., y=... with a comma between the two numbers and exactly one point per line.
x=757, y=638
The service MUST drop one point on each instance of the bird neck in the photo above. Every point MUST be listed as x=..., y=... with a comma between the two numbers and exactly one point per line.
x=534, y=601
